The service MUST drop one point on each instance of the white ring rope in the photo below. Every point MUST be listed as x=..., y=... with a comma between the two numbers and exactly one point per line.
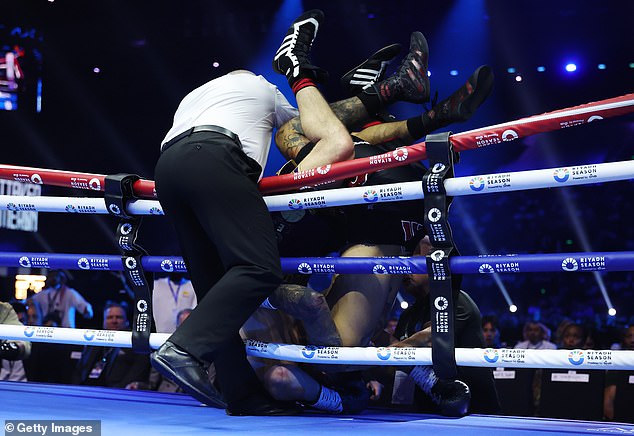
x=63, y=335
x=459, y=186
x=479, y=184
x=483, y=357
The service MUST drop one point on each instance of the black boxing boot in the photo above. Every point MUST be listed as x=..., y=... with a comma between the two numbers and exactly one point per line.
x=370, y=71
x=460, y=106
x=292, y=58
x=452, y=396
x=410, y=83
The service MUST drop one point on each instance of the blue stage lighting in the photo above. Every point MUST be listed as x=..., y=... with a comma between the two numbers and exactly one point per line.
x=541, y=69
x=601, y=66
x=453, y=72
x=510, y=70
x=571, y=67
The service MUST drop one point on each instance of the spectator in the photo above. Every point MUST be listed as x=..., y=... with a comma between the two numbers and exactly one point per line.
x=590, y=342
x=170, y=296
x=559, y=334
x=52, y=320
x=113, y=366
x=414, y=330
x=535, y=337
x=182, y=316
x=391, y=325
x=573, y=336
x=491, y=332
x=616, y=408
x=59, y=301
x=20, y=310
x=49, y=363
x=33, y=313
x=12, y=352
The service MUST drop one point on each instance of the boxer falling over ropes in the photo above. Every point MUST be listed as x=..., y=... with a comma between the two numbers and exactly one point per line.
x=360, y=303
x=206, y=179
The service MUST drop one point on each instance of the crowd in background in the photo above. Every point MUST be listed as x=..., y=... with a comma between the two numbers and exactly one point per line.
x=554, y=321
x=540, y=221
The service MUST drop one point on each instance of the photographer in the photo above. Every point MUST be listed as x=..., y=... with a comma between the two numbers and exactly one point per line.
x=59, y=302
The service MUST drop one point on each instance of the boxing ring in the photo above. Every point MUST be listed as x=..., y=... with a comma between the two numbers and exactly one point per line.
x=156, y=413
x=131, y=412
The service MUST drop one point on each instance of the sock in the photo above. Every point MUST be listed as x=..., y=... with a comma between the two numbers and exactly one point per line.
x=329, y=400
x=421, y=125
x=416, y=127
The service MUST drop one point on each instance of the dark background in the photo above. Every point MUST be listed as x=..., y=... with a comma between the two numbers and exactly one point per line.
x=151, y=53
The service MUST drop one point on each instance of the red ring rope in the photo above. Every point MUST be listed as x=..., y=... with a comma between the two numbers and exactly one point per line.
x=549, y=121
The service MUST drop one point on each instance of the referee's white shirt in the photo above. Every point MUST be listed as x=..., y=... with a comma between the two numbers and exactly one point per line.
x=240, y=101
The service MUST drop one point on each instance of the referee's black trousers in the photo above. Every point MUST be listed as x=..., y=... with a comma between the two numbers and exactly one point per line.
x=207, y=186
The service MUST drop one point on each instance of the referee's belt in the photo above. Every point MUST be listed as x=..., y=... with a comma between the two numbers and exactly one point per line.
x=205, y=128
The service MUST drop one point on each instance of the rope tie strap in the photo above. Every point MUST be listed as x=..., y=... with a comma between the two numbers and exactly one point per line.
x=118, y=191
x=441, y=286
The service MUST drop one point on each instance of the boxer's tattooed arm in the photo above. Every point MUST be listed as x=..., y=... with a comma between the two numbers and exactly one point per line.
x=311, y=308
x=290, y=138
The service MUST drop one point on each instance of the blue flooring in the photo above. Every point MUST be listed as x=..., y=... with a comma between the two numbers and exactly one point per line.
x=143, y=413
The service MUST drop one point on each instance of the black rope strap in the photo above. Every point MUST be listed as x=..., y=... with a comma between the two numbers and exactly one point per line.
x=443, y=290
x=118, y=191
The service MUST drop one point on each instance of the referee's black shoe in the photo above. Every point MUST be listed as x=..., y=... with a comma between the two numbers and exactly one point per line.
x=262, y=405
x=186, y=371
